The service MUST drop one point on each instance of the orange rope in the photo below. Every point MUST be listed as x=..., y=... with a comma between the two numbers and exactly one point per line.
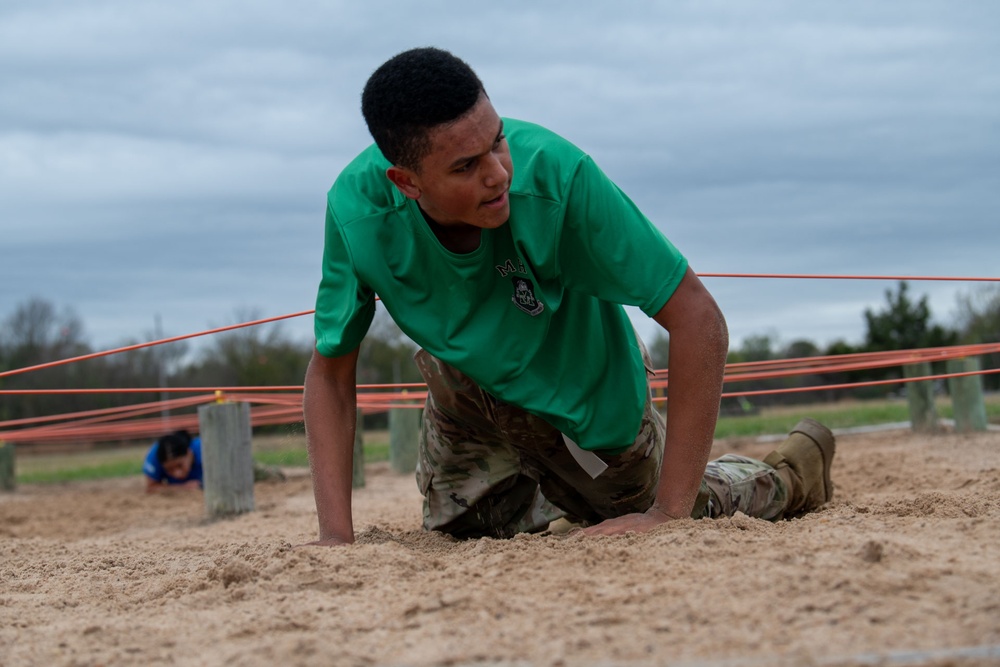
x=870, y=383
x=139, y=346
x=931, y=353
x=802, y=276
x=272, y=407
x=278, y=408
x=150, y=390
x=125, y=410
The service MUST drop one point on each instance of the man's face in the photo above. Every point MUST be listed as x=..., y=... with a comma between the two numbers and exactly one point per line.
x=179, y=467
x=465, y=177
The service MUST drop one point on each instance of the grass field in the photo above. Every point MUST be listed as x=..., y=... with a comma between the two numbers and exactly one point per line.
x=279, y=450
x=290, y=451
x=843, y=414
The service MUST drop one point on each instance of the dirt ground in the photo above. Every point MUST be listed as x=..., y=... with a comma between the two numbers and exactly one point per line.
x=903, y=567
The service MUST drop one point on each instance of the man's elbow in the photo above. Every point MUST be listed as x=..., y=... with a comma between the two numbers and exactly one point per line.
x=694, y=313
x=715, y=325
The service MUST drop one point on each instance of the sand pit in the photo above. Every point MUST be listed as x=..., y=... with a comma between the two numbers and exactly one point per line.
x=903, y=567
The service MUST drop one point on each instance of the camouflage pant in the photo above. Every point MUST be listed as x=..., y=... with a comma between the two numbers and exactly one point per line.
x=488, y=468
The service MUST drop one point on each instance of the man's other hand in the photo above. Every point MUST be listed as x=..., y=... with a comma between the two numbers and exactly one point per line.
x=630, y=523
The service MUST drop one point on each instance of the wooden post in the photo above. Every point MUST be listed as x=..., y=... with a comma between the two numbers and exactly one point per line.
x=8, y=475
x=967, y=396
x=404, y=431
x=226, y=457
x=358, y=479
x=920, y=398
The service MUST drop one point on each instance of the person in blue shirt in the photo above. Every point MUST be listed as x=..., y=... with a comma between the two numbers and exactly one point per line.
x=174, y=461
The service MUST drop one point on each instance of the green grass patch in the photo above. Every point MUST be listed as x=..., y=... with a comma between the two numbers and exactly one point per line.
x=299, y=456
x=286, y=458
x=781, y=420
x=95, y=465
x=377, y=451
x=81, y=473
x=846, y=414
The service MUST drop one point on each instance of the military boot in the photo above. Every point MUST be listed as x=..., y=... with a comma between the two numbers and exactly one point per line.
x=803, y=461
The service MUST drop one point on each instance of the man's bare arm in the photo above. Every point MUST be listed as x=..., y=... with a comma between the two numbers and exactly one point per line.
x=699, y=342
x=330, y=408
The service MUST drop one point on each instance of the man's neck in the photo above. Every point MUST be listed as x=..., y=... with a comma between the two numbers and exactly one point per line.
x=459, y=238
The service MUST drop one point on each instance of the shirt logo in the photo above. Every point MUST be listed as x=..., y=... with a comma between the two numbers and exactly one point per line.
x=524, y=297
x=508, y=267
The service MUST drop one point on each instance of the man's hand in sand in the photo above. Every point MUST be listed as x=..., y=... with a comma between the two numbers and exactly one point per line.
x=630, y=523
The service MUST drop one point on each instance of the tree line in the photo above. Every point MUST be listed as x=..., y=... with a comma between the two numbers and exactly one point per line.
x=37, y=332
x=902, y=323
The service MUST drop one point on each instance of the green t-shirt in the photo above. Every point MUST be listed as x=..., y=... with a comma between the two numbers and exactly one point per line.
x=533, y=315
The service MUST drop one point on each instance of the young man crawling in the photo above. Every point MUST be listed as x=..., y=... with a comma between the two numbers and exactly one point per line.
x=507, y=255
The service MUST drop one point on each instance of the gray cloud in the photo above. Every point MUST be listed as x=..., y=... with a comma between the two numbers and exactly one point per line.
x=173, y=158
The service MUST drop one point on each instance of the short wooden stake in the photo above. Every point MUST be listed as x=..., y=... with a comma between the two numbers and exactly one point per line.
x=227, y=458
x=967, y=395
x=404, y=431
x=358, y=479
x=8, y=475
x=920, y=398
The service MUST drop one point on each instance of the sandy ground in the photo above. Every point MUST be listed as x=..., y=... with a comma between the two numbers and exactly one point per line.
x=903, y=567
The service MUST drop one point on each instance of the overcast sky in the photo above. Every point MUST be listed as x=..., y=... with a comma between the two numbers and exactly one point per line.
x=172, y=159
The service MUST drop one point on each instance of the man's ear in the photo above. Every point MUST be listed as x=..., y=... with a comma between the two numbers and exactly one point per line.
x=404, y=180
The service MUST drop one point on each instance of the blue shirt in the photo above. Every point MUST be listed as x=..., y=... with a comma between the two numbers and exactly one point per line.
x=154, y=470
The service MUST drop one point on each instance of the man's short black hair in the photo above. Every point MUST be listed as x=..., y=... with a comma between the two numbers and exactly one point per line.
x=173, y=446
x=410, y=94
